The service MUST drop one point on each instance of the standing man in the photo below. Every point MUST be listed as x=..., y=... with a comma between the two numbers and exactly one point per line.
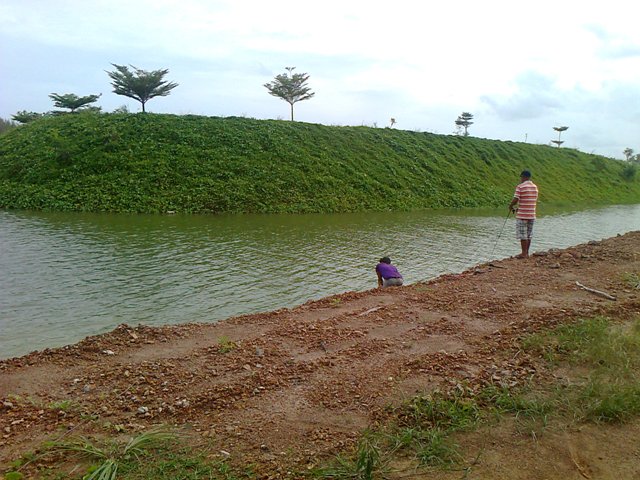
x=526, y=196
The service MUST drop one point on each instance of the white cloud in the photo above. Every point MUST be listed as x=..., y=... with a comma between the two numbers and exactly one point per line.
x=519, y=66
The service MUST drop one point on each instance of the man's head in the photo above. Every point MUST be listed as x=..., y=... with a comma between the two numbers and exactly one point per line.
x=526, y=175
x=385, y=260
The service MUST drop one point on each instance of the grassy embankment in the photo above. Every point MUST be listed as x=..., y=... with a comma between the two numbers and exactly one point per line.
x=158, y=163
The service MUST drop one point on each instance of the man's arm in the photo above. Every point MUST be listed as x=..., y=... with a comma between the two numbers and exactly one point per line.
x=514, y=200
x=513, y=203
x=379, y=278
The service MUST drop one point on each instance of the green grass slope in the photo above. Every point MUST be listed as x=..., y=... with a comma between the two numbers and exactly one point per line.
x=158, y=163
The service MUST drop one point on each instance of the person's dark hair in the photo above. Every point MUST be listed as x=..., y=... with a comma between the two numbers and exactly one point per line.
x=385, y=260
x=526, y=174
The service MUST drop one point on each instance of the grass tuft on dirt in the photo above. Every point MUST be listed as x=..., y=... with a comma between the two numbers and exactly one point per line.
x=158, y=453
x=426, y=429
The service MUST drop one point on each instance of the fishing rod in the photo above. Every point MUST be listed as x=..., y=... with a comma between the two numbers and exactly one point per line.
x=500, y=234
x=476, y=254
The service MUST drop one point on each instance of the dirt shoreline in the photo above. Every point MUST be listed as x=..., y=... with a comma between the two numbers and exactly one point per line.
x=286, y=389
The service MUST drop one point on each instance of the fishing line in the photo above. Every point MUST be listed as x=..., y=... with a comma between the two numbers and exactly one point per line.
x=475, y=255
x=500, y=234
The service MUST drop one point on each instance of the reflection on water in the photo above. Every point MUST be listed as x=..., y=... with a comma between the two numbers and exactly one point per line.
x=66, y=276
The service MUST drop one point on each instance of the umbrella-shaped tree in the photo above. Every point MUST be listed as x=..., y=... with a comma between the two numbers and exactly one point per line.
x=140, y=85
x=464, y=121
x=72, y=101
x=559, y=130
x=290, y=87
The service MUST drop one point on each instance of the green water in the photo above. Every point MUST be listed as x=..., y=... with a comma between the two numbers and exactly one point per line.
x=66, y=276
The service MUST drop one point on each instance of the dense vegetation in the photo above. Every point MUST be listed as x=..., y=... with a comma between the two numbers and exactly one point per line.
x=159, y=163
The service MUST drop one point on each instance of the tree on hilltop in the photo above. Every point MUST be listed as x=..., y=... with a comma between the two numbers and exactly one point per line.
x=464, y=121
x=73, y=102
x=559, y=130
x=631, y=156
x=25, y=117
x=6, y=125
x=140, y=85
x=290, y=87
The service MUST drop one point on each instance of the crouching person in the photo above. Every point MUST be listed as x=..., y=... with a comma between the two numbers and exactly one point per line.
x=388, y=275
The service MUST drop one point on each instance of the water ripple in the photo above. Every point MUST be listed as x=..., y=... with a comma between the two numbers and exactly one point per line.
x=66, y=276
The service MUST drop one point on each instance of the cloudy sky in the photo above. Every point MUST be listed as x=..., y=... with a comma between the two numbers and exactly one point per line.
x=520, y=68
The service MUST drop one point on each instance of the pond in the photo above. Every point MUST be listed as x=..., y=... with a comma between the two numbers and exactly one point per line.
x=64, y=276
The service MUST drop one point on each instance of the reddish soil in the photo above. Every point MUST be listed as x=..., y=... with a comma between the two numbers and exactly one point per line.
x=286, y=389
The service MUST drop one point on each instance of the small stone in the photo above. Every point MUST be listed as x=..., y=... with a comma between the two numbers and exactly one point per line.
x=143, y=410
x=108, y=352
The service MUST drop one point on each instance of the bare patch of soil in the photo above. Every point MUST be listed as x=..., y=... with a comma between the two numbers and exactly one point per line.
x=284, y=390
x=510, y=452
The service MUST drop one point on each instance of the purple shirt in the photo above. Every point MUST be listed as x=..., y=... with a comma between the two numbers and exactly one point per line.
x=387, y=271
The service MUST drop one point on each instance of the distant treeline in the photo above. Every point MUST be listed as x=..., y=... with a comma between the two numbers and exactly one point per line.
x=156, y=163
